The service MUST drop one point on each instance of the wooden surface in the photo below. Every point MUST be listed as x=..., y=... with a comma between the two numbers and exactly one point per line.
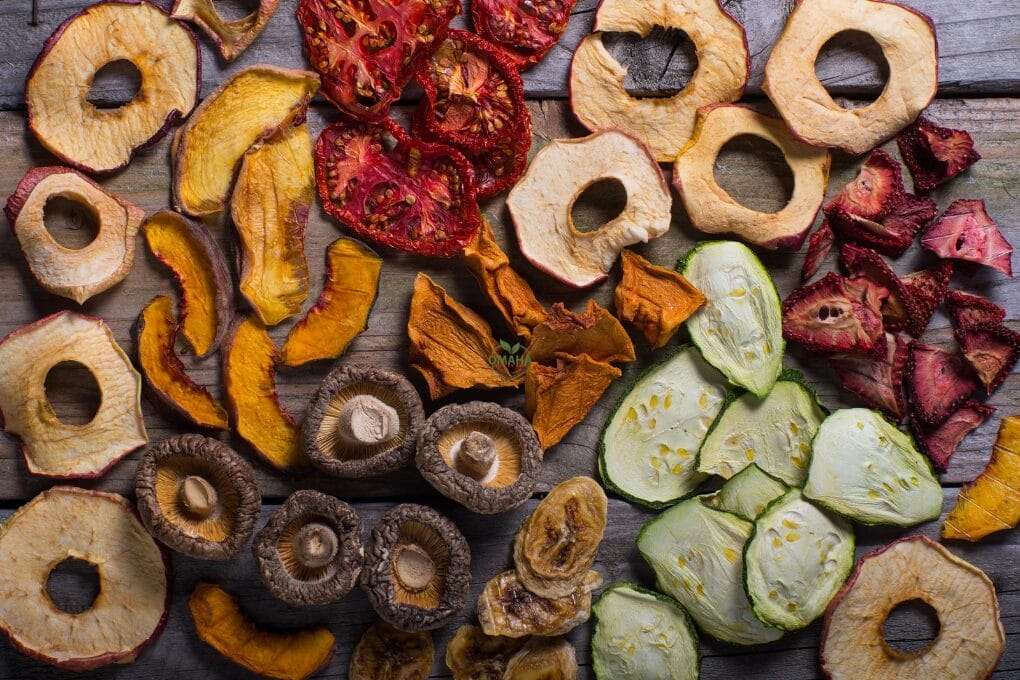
x=979, y=58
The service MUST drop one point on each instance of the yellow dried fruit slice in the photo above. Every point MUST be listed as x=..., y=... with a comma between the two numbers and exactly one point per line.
x=654, y=299
x=231, y=37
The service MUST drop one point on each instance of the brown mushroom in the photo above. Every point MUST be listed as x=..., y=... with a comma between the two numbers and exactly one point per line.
x=481, y=455
x=362, y=422
x=197, y=496
x=385, y=653
x=417, y=568
x=309, y=553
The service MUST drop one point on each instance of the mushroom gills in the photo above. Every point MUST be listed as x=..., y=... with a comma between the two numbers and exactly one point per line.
x=195, y=498
x=482, y=451
x=418, y=563
x=362, y=421
x=308, y=547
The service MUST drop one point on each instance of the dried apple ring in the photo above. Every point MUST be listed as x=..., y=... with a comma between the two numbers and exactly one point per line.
x=713, y=211
x=597, y=94
x=51, y=447
x=908, y=42
x=541, y=202
x=95, y=140
x=76, y=274
x=231, y=37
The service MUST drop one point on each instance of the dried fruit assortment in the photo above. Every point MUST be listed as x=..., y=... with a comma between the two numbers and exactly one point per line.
x=231, y=36
x=526, y=31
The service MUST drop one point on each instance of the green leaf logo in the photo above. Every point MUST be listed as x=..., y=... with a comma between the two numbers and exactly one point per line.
x=505, y=346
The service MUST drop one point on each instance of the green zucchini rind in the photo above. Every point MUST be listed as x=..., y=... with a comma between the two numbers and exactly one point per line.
x=747, y=493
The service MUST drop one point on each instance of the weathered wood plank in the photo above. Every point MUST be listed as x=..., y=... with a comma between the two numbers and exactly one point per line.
x=978, y=50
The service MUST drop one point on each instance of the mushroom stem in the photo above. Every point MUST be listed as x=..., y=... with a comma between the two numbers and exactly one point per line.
x=366, y=420
x=315, y=545
x=198, y=496
x=476, y=455
x=413, y=567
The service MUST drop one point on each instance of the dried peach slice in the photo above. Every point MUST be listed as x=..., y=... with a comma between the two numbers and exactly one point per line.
x=341, y=312
x=76, y=274
x=56, y=93
x=558, y=397
x=156, y=333
x=231, y=37
x=269, y=208
x=198, y=264
x=51, y=447
x=713, y=211
x=249, y=378
x=908, y=42
x=249, y=108
x=655, y=299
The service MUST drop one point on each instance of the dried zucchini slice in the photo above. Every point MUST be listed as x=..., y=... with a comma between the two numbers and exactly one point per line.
x=747, y=493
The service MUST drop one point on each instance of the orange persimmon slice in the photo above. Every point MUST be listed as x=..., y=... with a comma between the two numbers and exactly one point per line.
x=558, y=397
x=594, y=332
x=654, y=299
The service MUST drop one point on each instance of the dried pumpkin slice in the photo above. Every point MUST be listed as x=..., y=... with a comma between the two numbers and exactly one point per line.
x=230, y=36
x=198, y=264
x=249, y=108
x=53, y=448
x=713, y=211
x=249, y=378
x=597, y=94
x=908, y=43
x=76, y=274
x=269, y=209
x=341, y=312
x=156, y=338
x=594, y=332
x=655, y=299
x=560, y=396
x=292, y=655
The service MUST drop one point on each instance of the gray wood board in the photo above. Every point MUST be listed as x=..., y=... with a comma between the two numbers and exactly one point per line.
x=979, y=53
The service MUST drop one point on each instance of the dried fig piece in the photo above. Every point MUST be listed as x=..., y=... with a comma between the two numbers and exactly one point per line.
x=908, y=43
x=557, y=544
x=940, y=443
x=560, y=396
x=540, y=205
x=231, y=37
x=156, y=341
x=94, y=140
x=831, y=315
x=473, y=655
x=292, y=655
x=543, y=659
x=818, y=247
x=965, y=231
x=877, y=378
x=102, y=529
x=597, y=94
x=254, y=105
x=938, y=382
x=935, y=154
x=198, y=265
x=385, y=653
x=508, y=609
x=968, y=309
x=991, y=350
x=451, y=346
x=197, y=496
x=594, y=332
x=51, y=447
x=526, y=32
x=76, y=274
x=249, y=380
x=654, y=299
x=269, y=209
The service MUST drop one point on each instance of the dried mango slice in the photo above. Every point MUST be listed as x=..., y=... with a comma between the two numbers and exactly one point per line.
x=594, y=332
x=992, y=501
x=249, y=377
x=231, y=37
x=269, y=208
x=221, y=624
x=341, y=312
x=156, y=333
x=655, y=299
x=559, y=397
x=451, y=346
x=198, y=264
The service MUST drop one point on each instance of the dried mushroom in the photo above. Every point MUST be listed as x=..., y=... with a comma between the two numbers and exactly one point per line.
x=385, y=653
x=341, y=312
x=417, y=568
x=98, y=528
x=473, y=655
x=53, y=448
x=197, y=496
x=481, y=455
x=654, y=299
x=230, y=36
x=594, y=332
x=76, y=274
x=292, y=655
x=560, y=396
x=362, y=422
x=543, y=659
x=557, y=544
x=93, y=139
x=509, y=609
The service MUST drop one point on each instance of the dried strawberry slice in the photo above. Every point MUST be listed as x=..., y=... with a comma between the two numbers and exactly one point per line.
x=900, y=310
x=968, y=309
x=966, y=232
x=818, y=247
x=418, y=197
x=937, y=381
x=940, y=443
x=893, y=233
x=928, y=288
x=935, y=154
x=830, y=316
x=367, y=50
x=992, y=351
x=870, y=195
x=526, y=29
x=877, y=379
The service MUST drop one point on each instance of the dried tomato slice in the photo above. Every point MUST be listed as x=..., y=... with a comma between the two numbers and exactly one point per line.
x=526, y=29
x=367, y=50
x=417, y=197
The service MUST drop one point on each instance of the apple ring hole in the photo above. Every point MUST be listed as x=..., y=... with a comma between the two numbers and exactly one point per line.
x=911, y=627
x=601, y=202
x=849, y=64
x=114, y=85
x=658, y=66
x=73, y=393
x=73, y=585
x=71, y=223
x=751, y=157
